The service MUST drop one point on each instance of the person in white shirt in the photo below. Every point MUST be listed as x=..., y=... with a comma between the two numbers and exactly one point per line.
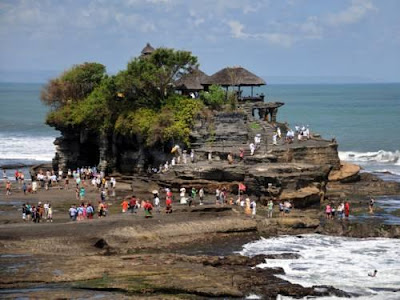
x=257, y=139
x=253, y=207
x=278, y=131
x=252, y=148
x=274, y=139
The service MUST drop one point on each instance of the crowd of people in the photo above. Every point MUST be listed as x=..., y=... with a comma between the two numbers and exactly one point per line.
x=85, y=177
x=37, y=213
x=341, y=211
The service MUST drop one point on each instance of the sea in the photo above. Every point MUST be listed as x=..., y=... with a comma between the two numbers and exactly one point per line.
x=363, y=118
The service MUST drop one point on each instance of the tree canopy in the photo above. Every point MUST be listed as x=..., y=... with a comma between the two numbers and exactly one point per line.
x=149, y=81
x=138, y=100
x=73, y=85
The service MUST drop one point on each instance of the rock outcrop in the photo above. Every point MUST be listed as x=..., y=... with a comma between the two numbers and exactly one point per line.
x=296, y=171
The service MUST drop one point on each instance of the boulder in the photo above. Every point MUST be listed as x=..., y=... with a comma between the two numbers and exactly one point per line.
x=347, y=173
x=304, y=197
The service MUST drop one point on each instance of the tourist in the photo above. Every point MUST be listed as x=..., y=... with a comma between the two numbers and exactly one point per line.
x=34, y=214
x=287, y=206
x=148, y=209
x=16, y=174
x=340, y=210
x=253, y=207
x=72, y=213
x=241, y=154
x=24, y=212
x=90, y=211
x=125, y=205
x=278, y=132
x=217, y=196
x=247, y=209
x=252, y=148
x=192, y=158
x=183, y=199
x=257, y=140
x=270, y=208
x=82, y=193
x=24, y=188
x=46, y=210
x=371, y=205
x=113, y=184
x=184, y=157
x=28, y=211
x=190, y=201
x=8, y=188
x=194, y=193
x=281, y=209
x=201, y=195
x=230, y=158
x=346, y=209
x=34, y=187
x=4, y=174
x=328, y=211
x=333, y=211
x=39, y=212
x=100, y=209
x=133, y=205
x=50, y=214
x=79, y=211
x=156, y=202
x=168, y=206
x=103, y=195
x=274, y=139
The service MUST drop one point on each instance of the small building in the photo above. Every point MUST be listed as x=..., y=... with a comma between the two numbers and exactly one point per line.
x=191, y=82
x=236, y=77
x=147, y=50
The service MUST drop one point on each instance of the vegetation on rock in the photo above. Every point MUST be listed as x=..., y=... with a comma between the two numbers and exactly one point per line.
x=139, y=100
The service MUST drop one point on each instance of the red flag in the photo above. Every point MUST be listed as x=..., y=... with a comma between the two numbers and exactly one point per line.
x=242, y=187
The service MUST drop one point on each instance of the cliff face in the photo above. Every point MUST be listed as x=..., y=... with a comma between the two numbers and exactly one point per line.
x=280, y=170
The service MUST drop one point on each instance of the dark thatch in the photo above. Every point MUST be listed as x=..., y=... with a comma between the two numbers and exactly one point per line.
x=235, y=76
x=191, y=81
x=147, y=50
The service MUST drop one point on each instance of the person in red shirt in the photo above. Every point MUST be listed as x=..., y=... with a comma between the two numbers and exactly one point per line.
x=147, y=209
x=132, y=205
x=125, y=205
x=346, y=209
x=168, y=206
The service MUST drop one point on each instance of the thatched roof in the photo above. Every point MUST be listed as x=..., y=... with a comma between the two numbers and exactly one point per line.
x=191, y=81
x=148, y=49
x=234, y=76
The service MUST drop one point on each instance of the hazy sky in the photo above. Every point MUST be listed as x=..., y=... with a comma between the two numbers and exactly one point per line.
x=350, y=38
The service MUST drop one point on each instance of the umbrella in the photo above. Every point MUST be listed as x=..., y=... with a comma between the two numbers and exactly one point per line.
x=175, y=148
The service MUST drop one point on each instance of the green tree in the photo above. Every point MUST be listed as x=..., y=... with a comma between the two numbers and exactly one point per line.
x=214, y=98
x=73, y=85
x=149, y=81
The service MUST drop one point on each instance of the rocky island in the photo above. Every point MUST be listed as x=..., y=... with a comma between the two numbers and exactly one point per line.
x=140, y=127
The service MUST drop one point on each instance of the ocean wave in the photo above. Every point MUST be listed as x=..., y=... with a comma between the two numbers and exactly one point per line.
x=27, y=147
x=381, y=156
x=321, y=263
x=386, y=171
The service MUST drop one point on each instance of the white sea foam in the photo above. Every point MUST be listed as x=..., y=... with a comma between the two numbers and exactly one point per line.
x=383, y=162
x=381, y=156
x=338, y=261
x=27, y=147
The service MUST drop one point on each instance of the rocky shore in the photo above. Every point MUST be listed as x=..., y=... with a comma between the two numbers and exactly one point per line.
x=187, y=255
